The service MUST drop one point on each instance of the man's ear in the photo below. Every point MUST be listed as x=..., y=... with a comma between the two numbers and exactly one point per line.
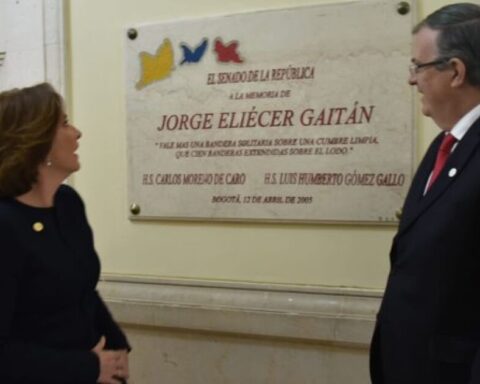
x=459, y=76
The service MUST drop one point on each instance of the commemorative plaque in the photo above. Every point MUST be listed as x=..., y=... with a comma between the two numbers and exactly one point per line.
x=300, y=114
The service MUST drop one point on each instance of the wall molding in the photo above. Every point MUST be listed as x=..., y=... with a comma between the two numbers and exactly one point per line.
x=32, y=43
x=338, y=316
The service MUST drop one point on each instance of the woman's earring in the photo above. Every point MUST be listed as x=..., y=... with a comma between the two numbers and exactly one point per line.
x=49, y=163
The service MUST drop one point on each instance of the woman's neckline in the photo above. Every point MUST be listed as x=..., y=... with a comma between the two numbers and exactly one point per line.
x=33, y=207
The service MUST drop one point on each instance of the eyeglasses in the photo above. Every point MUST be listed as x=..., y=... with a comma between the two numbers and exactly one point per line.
x=414, y=68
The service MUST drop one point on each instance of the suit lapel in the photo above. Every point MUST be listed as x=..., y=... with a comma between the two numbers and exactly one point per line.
x=416, y=203
x=415, y=194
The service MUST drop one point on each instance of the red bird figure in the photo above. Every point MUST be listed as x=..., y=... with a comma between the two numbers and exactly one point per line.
x=227, y=53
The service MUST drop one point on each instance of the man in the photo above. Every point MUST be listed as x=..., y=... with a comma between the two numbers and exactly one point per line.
x=428, y=328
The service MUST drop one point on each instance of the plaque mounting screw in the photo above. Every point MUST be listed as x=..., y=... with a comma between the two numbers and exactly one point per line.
x=135, y=209
x=398, y=214
x=132, y=33
x=403, y=8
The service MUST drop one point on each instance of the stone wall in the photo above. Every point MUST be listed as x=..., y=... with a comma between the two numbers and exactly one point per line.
x=217, y=333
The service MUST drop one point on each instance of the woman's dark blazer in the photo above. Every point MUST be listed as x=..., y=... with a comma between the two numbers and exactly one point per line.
x=51, y=314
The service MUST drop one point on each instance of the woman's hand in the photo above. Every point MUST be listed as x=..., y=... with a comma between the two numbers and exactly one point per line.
x=124, y=361
x=113, y=364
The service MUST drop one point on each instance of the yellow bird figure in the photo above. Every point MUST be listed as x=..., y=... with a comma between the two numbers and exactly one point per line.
x=156, y=67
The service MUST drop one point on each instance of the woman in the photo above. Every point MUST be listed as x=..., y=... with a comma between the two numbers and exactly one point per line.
x=54, y=327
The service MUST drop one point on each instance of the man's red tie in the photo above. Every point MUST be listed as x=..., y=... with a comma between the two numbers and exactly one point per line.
x=442, y=156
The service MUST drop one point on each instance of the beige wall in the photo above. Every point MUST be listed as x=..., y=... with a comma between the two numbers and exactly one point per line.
x=320, y=255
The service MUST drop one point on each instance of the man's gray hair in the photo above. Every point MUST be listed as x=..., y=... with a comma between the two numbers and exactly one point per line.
x=459, y=35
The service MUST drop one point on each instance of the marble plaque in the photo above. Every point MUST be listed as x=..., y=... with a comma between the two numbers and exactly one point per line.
x=300, y=114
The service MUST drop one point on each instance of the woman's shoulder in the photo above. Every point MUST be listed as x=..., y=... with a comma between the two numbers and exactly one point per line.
x=68, y=195
x=8, y=210
x=10, y=220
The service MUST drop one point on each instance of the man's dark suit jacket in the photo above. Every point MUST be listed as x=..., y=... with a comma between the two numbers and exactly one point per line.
x=428, y=327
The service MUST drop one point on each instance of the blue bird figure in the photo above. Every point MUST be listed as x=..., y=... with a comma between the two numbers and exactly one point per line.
x=193, y=56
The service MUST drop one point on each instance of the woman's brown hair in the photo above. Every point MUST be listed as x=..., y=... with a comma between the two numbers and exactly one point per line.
x=28, y=121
